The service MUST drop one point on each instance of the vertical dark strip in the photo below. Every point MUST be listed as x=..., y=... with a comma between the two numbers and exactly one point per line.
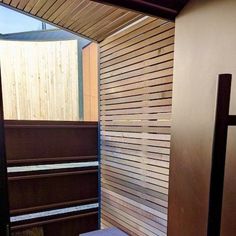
x=218, y=155
x=4, y=204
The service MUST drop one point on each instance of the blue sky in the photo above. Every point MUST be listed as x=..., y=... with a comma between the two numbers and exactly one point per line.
x=12, y=22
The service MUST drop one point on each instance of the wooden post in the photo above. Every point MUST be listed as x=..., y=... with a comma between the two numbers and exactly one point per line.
x=4, y=204
x=222, y=121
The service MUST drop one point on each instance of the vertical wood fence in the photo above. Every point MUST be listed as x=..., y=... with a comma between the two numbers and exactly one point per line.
x=40, y=80
x=135, y=106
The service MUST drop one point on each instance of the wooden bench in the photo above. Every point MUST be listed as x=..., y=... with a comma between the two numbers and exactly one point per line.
x=106, y=232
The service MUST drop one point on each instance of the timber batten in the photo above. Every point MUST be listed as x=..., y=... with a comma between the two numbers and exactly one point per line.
x=135, y=111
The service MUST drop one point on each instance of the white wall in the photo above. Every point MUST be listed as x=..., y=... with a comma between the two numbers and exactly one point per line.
x=205, y=46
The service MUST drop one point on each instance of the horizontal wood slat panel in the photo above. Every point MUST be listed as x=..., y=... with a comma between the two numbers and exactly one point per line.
x=137, y=129
x=141, y=58
x=135, y=117
x=124, y=75
x=136, y=175
x=135, y=135
x=142, y=44
x=87, y=18
x=138, y=97
x=150, y=29
x=150, y=218
x=129, y=33
x=139, y=52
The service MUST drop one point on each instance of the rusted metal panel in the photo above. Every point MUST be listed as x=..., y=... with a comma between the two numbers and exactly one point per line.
x=52, y=166
x=63, y=225
x=49, y=140
x=34, y=192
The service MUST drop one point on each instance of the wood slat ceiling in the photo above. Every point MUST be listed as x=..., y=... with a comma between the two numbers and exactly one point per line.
x=87, y=18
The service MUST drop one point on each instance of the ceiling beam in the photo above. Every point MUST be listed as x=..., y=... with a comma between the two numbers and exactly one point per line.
x=167, y=9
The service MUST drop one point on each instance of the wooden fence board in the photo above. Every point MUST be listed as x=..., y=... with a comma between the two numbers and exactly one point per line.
x=40, y=80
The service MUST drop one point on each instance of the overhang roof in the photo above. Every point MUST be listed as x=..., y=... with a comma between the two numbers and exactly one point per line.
x=87, y=18
x=167, y=9
x=93, y=19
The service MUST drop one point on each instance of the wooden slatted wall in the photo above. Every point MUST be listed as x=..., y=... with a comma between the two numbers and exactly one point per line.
x=135, y=107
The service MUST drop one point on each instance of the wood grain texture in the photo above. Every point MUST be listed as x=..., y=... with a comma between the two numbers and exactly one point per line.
x=90, y=82
x=87, y=18
x=40, y=80
x=135, y=117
